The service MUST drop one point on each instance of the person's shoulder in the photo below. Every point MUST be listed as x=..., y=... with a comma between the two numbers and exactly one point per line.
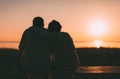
x=32, y=28
x=64, y=33
x=27, y=29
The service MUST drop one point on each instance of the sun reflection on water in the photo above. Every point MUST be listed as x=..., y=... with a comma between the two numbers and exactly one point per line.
x=98, y=69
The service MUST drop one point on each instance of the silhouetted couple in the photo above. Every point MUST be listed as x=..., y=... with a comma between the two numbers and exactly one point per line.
x=46, y=51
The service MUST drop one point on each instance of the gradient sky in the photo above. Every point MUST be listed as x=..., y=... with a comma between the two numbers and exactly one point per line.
x=76, y=16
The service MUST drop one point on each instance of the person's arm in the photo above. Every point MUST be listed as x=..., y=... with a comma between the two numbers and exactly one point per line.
x=22, y=45
x=44, y=34
x=77, y=57
x=75, y=51
x=73, y=46
x=22, y=42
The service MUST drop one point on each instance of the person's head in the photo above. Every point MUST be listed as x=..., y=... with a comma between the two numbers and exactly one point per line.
x=38, y=21
x=54, y=26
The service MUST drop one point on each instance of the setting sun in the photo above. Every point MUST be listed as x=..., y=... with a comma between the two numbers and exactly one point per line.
x=98, y=28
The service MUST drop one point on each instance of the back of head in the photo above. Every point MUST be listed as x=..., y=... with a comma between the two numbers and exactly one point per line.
x=38, y=21
x=54, y=26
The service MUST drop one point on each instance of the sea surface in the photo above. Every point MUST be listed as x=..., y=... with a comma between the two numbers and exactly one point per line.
x=9, y=44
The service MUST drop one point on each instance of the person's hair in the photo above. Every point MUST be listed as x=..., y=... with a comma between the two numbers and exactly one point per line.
x=54, y=26
x=38, y=21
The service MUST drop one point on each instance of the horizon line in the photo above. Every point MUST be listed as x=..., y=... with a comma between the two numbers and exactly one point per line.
x=9, y=41
x=73, y=41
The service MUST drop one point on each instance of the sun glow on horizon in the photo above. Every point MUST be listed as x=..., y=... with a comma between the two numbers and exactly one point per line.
x=98, y=43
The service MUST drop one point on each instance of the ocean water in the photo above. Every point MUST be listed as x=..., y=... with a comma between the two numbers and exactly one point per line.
x=10, y=44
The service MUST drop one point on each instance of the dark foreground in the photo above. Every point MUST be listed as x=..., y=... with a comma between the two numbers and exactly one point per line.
x=83, y=72
x=103, y=63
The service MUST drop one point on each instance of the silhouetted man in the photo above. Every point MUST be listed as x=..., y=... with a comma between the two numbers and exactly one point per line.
x=35, y=50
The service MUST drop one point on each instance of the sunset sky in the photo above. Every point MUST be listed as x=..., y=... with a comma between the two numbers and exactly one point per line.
x=84, y=20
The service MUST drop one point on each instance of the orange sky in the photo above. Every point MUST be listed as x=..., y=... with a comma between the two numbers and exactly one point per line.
x=76, y=16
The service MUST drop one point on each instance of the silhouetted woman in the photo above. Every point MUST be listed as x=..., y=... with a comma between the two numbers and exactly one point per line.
x=63, y=50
